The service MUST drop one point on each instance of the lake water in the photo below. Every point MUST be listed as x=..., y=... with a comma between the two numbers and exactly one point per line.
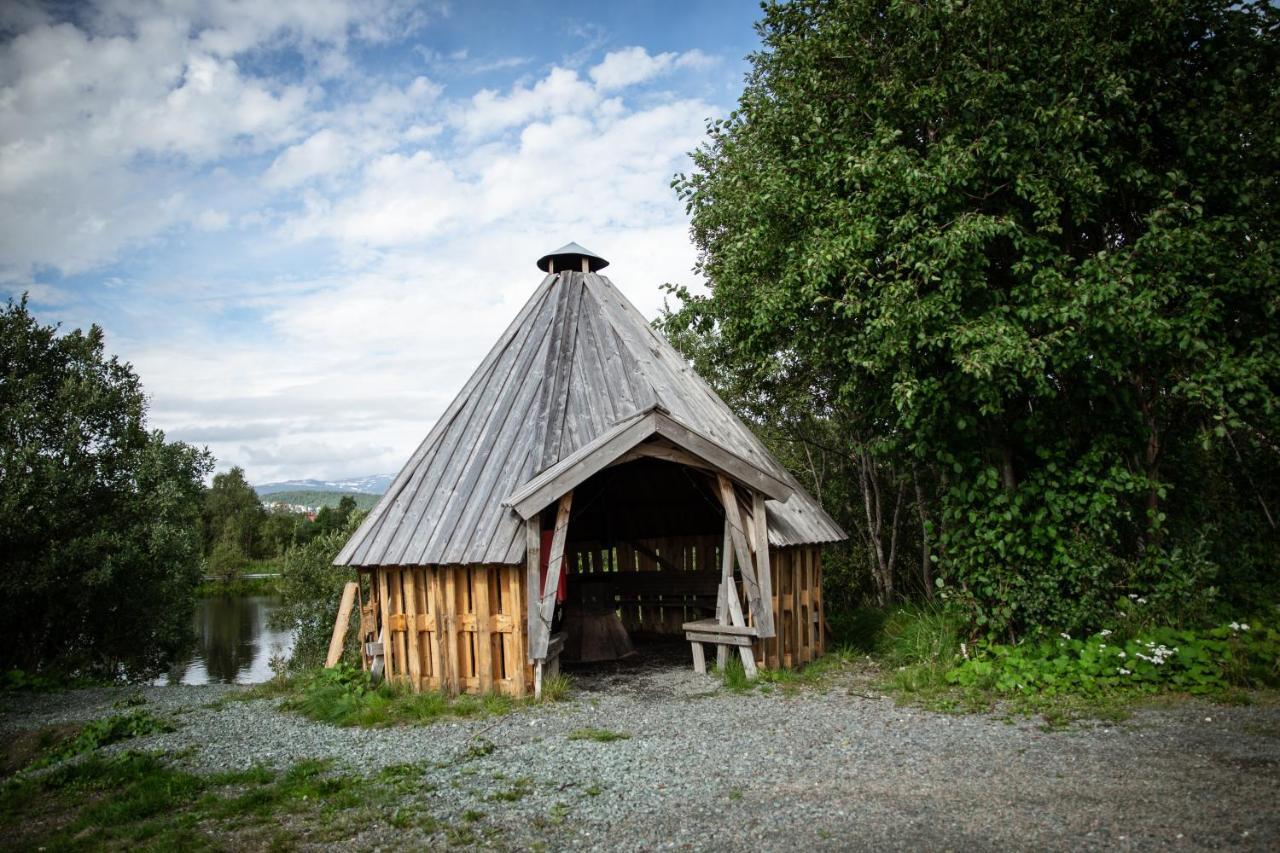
x=234, y=642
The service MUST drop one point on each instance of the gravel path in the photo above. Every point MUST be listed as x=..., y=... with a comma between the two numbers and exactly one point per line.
x=706, y=769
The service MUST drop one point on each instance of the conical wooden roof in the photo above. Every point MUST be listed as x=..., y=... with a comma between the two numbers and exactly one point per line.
x=577, y=364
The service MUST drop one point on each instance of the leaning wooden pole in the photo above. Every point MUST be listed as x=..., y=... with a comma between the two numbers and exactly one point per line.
x=341, y=624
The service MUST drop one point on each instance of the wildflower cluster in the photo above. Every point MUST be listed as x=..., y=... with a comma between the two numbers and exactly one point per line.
x=1162, y=659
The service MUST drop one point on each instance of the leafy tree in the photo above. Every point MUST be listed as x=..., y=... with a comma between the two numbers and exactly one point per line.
x=310, y=588
x=99, y=517
x=1022, y=258
x=233, y=514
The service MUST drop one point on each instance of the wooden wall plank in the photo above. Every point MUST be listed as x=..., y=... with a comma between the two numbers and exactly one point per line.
x=483, y=638
x=412, y=642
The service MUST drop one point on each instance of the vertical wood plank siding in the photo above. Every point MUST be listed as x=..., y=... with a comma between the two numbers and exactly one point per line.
x=463, y=629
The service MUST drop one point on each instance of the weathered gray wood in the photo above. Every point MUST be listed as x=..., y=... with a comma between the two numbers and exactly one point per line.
x=699, y=659
x=764, y=572
x=558, y=373
x=540, y=639
x=718, y=639
x=725, y=460
x=665, y=452
x=357, y=548
x=588, y=460
x=533, y=579
x=472, y=492
x=762, y=614
x=529, y=400
x=713, y=627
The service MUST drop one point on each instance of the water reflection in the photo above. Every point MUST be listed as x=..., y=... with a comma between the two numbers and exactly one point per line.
x=234, y=642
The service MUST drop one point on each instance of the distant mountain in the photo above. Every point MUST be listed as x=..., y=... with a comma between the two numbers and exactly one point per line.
x=314, y=500
x=374, y=484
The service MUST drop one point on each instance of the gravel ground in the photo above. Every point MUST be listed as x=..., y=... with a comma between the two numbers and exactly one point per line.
x=703, y=768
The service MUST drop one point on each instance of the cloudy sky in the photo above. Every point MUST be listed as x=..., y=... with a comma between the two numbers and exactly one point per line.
x=305, y=221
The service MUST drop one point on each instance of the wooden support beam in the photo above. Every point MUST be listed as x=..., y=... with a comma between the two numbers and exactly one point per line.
x=533, y=564
x=763, y=615
x=341, y=624
x=541, y=630
x=384, y=635
x=764, y=572
x=665, y=452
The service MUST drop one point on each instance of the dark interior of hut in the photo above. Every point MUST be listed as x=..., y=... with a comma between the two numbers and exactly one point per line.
x=642, y=558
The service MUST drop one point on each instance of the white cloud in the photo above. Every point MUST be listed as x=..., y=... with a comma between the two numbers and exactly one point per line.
x=382, y=230
x=633, y=65
x=99, y=117
x=560, y=92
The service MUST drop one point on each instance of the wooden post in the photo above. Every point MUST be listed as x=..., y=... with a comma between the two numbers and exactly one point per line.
x=532, y=558
x=340, y=625
x=764, y=572
x=384, y=605
x=763, y=617
x=547, y=601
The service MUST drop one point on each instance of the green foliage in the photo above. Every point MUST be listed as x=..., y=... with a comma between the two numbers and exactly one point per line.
x=734, y=675
x=310, y=588
x=346, y=696
x=1199, y=662
x=135, y=799
x=233, y=522
x=597, y=735
x=1017, y=261
x=556, y=688
x=100, y=536
x=105, y=731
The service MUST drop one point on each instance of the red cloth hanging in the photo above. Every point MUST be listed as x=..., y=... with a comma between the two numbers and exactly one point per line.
x=547, y=536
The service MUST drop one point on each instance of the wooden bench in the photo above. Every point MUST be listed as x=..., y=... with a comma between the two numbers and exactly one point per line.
x=711, y=631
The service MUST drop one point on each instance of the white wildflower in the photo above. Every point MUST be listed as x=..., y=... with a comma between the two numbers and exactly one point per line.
x=1064, y=635
x=1101, y=646
x=1105, y=632
x=1122, y=654
x=1141, y=601
x=1132, y=596
x=1244, y=626
x=1123, y=671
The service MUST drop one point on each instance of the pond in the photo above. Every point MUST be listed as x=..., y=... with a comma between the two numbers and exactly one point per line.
x=235, y=642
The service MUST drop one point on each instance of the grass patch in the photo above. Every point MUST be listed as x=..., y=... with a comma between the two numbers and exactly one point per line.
x=598, y=735
x=345, y=696
x=556, y=688
x=100, y=733
x=136, y=799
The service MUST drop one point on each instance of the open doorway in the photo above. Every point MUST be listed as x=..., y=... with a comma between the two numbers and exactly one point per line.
x=641, y=559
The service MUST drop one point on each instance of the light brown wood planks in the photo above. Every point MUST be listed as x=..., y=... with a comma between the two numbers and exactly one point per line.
x=341, y=624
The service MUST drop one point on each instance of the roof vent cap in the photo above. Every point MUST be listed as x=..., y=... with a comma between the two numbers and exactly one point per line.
x=571, y=257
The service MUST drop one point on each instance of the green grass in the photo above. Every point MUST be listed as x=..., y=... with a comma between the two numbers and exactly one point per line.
x=143, y=800
x=103, y=732
x=597, y=735
x=556, y=688
x=345, y=696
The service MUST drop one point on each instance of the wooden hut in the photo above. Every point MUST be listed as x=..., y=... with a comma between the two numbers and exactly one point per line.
x=583, y=440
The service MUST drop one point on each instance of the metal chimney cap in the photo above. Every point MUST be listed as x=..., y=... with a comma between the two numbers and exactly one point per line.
x=569, y=257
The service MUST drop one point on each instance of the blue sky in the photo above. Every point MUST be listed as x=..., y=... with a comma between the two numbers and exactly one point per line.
x=305, y=221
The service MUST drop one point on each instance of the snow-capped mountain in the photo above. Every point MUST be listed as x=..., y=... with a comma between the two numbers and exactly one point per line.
x=375, y=484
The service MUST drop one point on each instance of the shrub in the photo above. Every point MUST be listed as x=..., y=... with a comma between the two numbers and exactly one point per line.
x=1238, y=654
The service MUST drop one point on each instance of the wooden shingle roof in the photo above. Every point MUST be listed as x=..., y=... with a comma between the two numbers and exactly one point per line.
x=578, y=361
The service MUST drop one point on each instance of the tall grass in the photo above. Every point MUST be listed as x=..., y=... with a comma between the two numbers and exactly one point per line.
x=921, y=643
